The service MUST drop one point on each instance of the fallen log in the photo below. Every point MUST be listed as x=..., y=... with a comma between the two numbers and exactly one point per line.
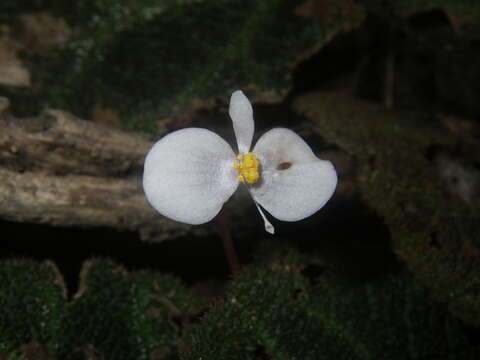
x=60, y=170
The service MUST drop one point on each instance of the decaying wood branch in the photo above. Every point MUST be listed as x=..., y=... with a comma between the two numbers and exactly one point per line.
x=59, y=143
x=57, y=169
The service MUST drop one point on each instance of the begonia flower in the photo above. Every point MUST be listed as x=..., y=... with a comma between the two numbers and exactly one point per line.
x=190, y=173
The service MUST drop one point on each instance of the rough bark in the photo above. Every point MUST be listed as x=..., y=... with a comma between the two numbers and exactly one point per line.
x=60, y=170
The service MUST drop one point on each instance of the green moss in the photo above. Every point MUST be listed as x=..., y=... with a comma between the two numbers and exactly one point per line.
x=274, y=312
x=271, y=310
x=195, y=52
x=125, y=316
x=260, y=305
x=116, y=314
x=32, y=302
x=154, y=62
x=395, y=177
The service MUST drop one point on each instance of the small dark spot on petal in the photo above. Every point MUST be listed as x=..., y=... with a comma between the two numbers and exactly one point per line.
x=284, y=165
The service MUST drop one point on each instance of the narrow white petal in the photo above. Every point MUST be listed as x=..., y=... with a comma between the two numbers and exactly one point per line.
x=242, y=117
x=188, y=175
x=268, y=225
x=294, y=183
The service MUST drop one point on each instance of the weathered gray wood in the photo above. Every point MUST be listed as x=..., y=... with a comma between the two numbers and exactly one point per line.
x=60, y=170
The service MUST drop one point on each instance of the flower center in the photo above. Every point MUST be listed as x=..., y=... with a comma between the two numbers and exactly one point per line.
x=247, y=167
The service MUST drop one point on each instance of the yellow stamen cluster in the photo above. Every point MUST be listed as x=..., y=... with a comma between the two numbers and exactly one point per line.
x=247, y=167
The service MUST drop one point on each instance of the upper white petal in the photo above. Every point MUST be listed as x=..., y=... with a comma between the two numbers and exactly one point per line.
x=300, y=190
x=242, y=117
x=188, y=175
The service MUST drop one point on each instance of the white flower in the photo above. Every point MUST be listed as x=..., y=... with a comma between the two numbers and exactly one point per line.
x=190, y=173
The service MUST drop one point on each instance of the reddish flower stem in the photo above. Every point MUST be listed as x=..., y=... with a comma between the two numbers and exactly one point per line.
x=223, y=228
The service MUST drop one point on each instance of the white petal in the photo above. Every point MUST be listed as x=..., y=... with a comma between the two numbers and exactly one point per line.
x=242, y=117
x=298, y=191
x=188, y=175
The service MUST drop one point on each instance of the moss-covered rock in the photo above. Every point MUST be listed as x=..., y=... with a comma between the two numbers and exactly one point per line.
x=434, y=233
x=153, y=61
x=195, y=52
